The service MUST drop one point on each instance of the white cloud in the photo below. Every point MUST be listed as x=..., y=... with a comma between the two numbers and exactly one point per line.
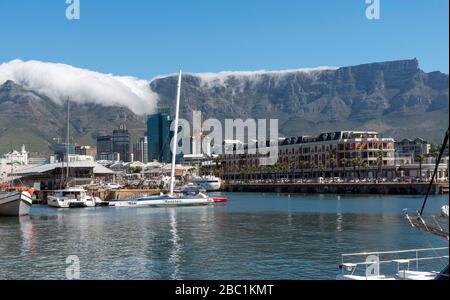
x=59, y=81
x=221, y=78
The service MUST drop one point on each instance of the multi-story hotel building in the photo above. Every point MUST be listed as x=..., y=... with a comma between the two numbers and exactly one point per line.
x=328, y=150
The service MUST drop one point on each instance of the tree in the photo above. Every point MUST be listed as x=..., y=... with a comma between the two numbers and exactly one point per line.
x=343, y=162
x=135, y=170
x=312, y=166
x=322, y=170
x=380, y=161
x=420, y=159
x=302, y=167
x=365, y=165
x=332, y=164
x=354, y=164
x=292, y=167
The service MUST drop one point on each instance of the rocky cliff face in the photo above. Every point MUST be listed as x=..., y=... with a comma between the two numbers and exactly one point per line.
x=396, y=98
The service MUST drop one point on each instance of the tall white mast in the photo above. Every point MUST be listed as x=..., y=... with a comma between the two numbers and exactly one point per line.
x=68, y=139
x=175, y=137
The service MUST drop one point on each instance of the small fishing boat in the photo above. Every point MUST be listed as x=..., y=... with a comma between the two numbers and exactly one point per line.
x=15, y=202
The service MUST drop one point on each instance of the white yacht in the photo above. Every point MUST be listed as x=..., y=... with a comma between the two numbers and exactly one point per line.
x=15, y=203
x=71, y=198
x=168, y=200
x=209, y=183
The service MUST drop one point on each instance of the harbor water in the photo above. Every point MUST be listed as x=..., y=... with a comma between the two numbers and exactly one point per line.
x=253, y=236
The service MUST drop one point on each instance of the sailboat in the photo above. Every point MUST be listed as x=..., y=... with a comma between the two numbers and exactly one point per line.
x=70, y=197
x=170, y=199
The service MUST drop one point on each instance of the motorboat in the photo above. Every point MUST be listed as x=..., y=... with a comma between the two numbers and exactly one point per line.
x=71, y=197
x=209, y=183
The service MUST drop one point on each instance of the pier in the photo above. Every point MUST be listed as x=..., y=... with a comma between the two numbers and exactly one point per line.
x=340, y=188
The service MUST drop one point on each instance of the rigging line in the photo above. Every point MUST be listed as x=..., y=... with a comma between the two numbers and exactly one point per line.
x=438, y=160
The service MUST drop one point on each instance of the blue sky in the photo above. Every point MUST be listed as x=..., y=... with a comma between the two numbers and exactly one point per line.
x=144, y=38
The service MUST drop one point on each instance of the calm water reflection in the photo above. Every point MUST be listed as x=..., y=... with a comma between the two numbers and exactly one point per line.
x=255, y=236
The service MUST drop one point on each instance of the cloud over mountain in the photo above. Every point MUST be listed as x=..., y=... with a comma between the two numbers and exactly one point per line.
x=59, y=81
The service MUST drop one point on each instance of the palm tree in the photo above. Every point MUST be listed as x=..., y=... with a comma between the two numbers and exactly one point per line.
x=354, y=164
x=359, y=162
x=420, y=159
x=380, y=160
x=312, y=166
x=302, y=167
x=292, y=167
x=365, y=165
x=343, y=162
x=321, y=169
x=332, y=165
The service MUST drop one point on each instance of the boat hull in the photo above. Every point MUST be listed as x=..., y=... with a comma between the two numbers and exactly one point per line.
x=69, y=203
x=161, y=201
x=15, y=203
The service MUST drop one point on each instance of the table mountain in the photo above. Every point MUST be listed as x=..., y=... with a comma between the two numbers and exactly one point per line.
x=396, y=98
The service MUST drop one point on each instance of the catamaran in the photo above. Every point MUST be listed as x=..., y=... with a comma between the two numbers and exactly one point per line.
x=171, y=199
x=70, y=197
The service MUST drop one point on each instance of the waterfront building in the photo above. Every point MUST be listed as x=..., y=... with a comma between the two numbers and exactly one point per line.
x=140, y=150
x=60, y=150
x=17, y=157
x=41, y=160
x=85, y=150
x=413, y=148
x=159, y=136
x=49, y=176
x=104, y=144
x=121, y=143
x=335, y=154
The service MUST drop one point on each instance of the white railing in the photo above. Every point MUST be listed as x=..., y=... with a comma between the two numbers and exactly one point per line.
x=381, y=258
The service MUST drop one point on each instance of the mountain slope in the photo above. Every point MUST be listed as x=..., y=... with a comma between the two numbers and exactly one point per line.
x=35, y=120
x=396, y=98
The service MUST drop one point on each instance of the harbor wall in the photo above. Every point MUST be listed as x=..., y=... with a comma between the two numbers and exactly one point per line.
x=340, y=188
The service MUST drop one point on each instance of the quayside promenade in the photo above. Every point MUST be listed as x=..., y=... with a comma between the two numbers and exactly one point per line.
x=385, y=188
